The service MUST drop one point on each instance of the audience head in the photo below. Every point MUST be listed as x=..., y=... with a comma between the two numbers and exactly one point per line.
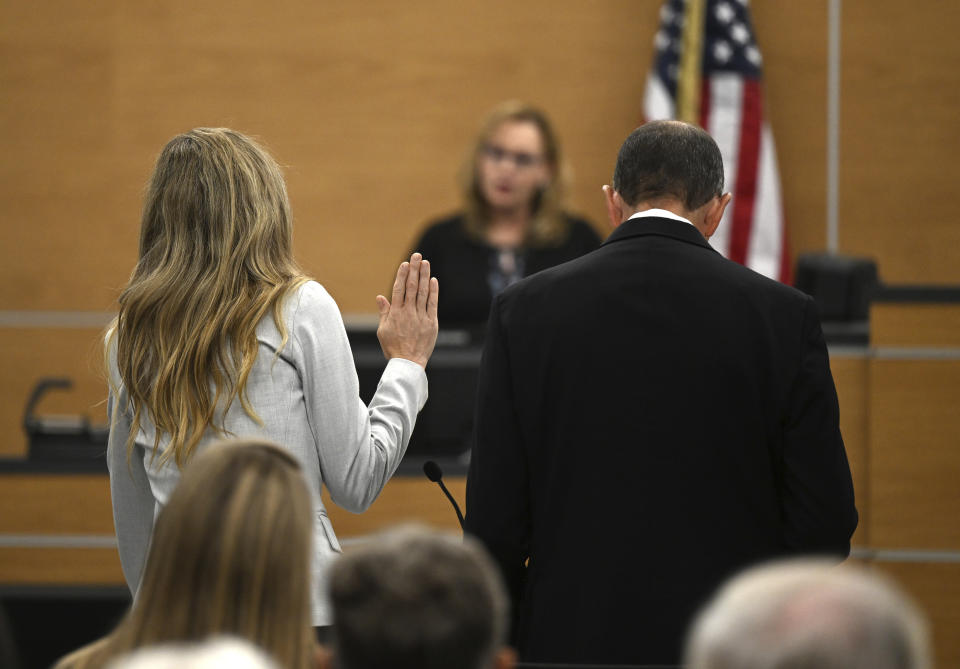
x=215, y=258
x=514, y=166
x=230, y=555
x=415, y=599
x=800, y=614
x=223, y=653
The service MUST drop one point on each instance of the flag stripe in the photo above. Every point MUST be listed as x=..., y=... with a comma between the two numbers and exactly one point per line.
x=726, y=96
x=746, y=189
x=657, y=103
x=767, y=229
x=705, y=102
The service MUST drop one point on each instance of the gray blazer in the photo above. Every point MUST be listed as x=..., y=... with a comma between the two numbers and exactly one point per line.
x=308, y=399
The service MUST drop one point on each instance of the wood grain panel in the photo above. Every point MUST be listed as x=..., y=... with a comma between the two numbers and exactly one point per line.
x=915, y=325
x=403, y=500
x=792, y=39
x=914, y=459
x=28, y=354
x=900, y=95
x=55, y=504
x=58, y=181
x=936, y=589
x=60, y=566
x=850, y=376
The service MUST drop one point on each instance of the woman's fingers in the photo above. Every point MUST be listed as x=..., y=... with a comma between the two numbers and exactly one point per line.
x=433, y=299
x=413, y=278
x=423, y=286
x=400, y=282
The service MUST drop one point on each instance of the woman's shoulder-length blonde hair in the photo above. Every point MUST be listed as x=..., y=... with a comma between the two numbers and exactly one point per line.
x=549, y=226
x=215, y=257
x=230, y=555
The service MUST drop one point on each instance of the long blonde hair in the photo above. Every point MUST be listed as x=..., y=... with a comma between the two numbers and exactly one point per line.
x=549, y=226
x=230, y=555
x=215, y=257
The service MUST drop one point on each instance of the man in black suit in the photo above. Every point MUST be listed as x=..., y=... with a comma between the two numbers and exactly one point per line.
x=651, y=418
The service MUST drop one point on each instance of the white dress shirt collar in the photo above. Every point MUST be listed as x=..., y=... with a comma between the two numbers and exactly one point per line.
x=658, y=213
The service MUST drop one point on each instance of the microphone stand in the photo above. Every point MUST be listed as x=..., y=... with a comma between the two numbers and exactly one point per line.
x=435, y=474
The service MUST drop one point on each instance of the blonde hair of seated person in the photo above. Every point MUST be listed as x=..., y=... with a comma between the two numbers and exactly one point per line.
x=230, y=556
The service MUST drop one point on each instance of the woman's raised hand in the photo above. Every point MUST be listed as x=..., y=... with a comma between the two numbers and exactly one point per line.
x=408, y=324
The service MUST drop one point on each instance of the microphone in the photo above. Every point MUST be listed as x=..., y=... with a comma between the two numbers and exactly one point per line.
x=435, y=474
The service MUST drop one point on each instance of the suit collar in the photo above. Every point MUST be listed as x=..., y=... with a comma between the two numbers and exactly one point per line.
x=662, y=227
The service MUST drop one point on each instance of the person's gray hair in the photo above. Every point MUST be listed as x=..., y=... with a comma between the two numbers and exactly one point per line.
x=669, y=159
x=414, y=598
x=217, y=653
x=807, y=613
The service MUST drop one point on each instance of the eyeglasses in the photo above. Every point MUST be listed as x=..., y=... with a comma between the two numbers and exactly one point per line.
x=520, y=159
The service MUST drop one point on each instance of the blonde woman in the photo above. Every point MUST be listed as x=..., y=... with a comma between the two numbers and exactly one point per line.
x=220, y=334
x=230, y=556
x=512, y=223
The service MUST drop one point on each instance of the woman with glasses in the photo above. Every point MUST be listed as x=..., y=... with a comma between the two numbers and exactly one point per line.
x=512, y=223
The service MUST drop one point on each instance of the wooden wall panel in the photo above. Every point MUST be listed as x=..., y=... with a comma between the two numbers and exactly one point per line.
x=48, y=506
x=900, y=137
x=936, y=590
x=914, y=460
x=915, y=325
x=403, y=500
x=60, y=566
x=55, y=504
x=26, y=355
x=850, y=376
x=58, y=182
x=792, y=39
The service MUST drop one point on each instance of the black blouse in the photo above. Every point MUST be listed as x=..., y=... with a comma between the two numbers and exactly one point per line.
x=466, y=267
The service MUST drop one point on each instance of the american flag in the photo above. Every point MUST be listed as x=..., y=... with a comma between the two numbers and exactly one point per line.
x=708, y=70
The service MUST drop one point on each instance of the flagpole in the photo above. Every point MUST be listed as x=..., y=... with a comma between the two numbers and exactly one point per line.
x=691, y=62
x=833, y=125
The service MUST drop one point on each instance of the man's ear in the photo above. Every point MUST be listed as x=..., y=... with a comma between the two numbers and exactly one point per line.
x=505, y=658
x=714, y=214
x=615, y=206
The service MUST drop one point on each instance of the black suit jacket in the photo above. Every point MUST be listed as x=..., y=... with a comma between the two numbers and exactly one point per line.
x=651, y=418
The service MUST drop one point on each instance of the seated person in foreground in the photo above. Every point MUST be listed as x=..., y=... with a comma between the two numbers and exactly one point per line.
x=230, y=555
x=220, y=653
x=806, y=613
x=416, y=599
x=512, y=224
